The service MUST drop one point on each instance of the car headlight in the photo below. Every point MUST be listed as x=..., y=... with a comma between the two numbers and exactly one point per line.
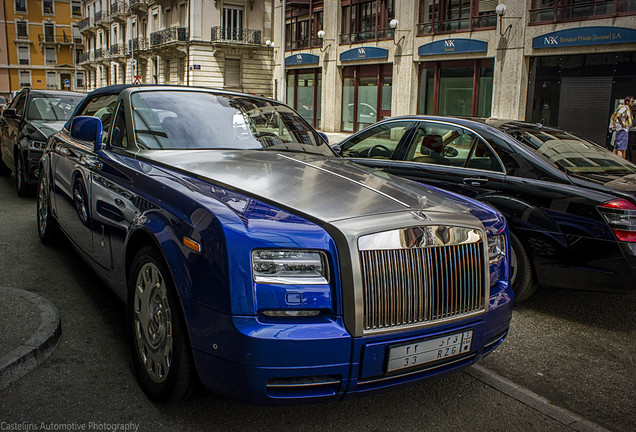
x=289, y=267
x=496, y=248
x=37, y=145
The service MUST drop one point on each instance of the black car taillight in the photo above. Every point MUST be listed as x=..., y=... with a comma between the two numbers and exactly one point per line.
x=620, y=215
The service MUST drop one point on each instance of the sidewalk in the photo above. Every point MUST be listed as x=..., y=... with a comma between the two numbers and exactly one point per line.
x=30, y=329
x=336, y=137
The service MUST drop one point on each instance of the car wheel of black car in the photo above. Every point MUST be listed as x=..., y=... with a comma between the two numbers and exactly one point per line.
x=48, y=229
x=22, y=187
x=521, y=277
x=161, y=351
x=80, y=201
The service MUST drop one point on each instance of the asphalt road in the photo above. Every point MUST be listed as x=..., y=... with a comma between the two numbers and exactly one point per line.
x=577, y=349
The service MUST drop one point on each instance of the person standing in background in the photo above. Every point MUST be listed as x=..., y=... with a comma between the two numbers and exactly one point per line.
x=623, y=123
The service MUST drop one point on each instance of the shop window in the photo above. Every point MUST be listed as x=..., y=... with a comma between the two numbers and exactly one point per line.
x=22, y=31
x=51, y=80
x=304, y=88
x=366, y=20
x=302, y=24
x=544, y=11
x=461, y=88
x=366, y=95
x=446, y=16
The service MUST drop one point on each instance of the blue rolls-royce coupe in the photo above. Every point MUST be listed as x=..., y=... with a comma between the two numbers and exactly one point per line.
x=254, y=260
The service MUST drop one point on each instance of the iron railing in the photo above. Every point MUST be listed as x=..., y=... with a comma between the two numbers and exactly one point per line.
x=235, y=35
x=172, y=34
x=138, y=44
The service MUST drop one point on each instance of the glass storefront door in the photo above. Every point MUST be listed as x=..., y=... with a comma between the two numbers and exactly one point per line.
x=304, y=87
x=366, y=95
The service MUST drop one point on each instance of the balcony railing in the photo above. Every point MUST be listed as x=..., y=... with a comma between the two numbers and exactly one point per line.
x=367, y=36
x=172, y=34
x=137, y=5
x=53, y=39
x=84, y=57
x=85, y=23
x=234, y=35
x=303, y=44
x=117, y=50
x=99, y=53
x=99, y=16
x=138, y=44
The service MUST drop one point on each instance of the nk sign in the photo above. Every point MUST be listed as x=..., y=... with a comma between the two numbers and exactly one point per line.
x=585, y=36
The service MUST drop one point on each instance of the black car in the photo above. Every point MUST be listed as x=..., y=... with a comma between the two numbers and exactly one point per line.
x=571, y=204
x=26, y=125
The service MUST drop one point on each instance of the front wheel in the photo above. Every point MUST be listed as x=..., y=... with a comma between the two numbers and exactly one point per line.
x=522, y=279
x=160, y=348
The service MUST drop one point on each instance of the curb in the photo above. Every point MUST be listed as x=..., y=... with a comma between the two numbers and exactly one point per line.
x=38, y=347
x=533, y=400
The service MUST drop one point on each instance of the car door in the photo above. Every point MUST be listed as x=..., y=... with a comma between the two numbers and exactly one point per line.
x=450, y=157
x=72, y=165
x=10, y=128
x=377, y=145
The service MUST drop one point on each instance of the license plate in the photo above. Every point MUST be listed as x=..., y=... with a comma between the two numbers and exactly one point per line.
x=419, y=353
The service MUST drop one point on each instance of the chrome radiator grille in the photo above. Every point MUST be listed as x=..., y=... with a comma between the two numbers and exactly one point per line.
x=418, y=285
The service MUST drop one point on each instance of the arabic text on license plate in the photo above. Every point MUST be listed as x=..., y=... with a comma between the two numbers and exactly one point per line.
x=422, y=352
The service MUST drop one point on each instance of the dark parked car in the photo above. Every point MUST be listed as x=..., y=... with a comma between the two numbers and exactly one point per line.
x=571, y=204
x=32, y=117
x=252, y=257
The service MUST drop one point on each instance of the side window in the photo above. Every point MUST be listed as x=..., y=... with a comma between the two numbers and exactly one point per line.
x=483, y=158
x=378, y=142
x=119, y=137
x=441, y=144
x=18, y=103
x=102, y=107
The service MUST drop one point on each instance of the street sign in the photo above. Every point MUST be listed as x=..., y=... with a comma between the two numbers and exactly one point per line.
x=67, y=83
x=137, y=80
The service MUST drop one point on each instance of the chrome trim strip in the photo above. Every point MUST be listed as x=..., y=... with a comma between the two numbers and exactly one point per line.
x=347, y=179
x=419, y=237
x=309, y=384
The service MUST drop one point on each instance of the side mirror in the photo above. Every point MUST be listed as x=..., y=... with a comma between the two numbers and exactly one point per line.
x=324, y=136
x=87, y=128
x=10, y=113
x=336, y=148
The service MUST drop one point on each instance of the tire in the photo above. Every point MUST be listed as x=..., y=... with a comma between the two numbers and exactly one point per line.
x=48, y=229
x=522, y=279
x=22, y=187
x=159, y=343
x=4, y=169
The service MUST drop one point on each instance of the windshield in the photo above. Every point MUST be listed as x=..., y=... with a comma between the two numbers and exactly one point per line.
x=573, y=154
x=167, y=120
x=52, y=108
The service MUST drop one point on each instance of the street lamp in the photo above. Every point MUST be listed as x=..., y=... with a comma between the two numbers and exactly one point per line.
x=393, y=24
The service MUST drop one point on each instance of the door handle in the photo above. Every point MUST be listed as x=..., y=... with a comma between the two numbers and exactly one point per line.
x=475, y=181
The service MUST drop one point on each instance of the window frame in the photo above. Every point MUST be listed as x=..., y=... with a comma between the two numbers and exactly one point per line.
x=310, y=17
x=553, y=11
x=437, y=25
x=78, y=4
x=28, y=58
x=17, y=29
x=352, y=15
x=15, y=7
x=22, y=84
x=52, y=13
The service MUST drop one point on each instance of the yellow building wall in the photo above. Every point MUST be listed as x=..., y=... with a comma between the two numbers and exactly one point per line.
x=35, y=18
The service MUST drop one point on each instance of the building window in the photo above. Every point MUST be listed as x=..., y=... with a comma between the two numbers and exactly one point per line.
x=366, y=95
x=460, y=88
x=25, y=78
x=49, y=32
x=446, y=16
x=51, y=80
x=79, y=79
x=232, y=23
x=23, y=55
x=304, y=88
x=76, y=9
x=22, y=29
x=545, y=11
x=49, y=56
x=366, y=20
x=232, y=77
x=47, y=7
x=20, y=6
x=302, y=24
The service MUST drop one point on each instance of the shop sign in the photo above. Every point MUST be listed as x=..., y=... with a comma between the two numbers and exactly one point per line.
x=300, y=59
x=453, y=46
x=585, y=36
x=364, y=53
